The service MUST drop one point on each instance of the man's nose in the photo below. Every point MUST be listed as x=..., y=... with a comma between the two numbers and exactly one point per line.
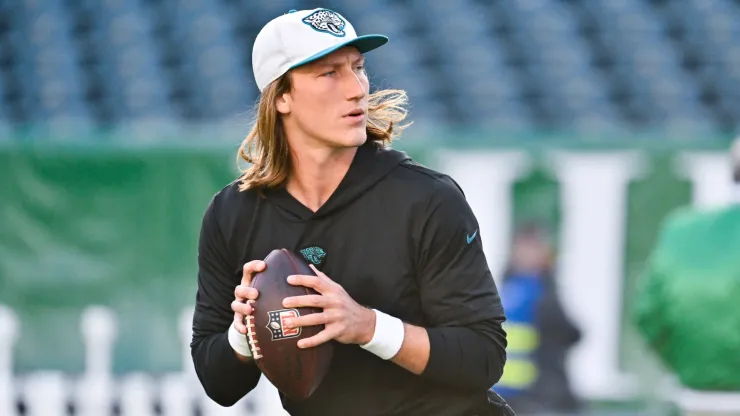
x=353, y=86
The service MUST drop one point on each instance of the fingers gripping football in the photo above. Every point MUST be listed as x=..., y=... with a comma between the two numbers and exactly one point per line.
x=320, y=283
x=245, y=295
x=344, y=319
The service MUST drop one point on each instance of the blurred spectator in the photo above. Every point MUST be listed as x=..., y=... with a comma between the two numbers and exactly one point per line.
x=539, y=332
x=688, y=306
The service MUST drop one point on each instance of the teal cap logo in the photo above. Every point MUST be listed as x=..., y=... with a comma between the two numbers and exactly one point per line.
x=326, y=21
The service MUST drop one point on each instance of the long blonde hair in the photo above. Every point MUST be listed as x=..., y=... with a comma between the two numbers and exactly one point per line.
x=266, y=147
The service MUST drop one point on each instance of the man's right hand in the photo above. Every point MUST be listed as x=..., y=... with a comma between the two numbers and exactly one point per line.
x=243, y=293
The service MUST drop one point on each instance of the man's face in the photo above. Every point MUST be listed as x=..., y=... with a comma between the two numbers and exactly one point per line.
x=530, y=253
x=329, y=99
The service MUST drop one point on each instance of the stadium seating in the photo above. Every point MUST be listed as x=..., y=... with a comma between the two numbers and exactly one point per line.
x=549, y=64
x=43, y=74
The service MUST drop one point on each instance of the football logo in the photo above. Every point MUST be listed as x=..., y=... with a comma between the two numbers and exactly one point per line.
x=327, y=21
x=276, y=324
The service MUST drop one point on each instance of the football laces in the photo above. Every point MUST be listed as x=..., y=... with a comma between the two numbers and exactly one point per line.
x=251, y=334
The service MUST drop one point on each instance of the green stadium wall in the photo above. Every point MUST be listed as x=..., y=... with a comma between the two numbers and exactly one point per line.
x=117, y=226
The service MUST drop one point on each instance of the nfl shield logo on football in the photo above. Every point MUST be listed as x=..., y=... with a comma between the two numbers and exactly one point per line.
x=277, y=327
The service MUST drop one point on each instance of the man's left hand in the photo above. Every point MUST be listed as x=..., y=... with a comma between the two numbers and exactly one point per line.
x=344, y=319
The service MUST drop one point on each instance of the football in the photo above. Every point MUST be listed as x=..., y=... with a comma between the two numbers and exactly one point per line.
x=294, y=371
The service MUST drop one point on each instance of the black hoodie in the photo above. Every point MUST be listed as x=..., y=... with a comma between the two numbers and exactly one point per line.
x=398, y=237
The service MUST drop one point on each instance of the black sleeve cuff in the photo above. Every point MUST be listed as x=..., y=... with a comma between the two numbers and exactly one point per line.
x=442, y=351
x=462, y=358
x=224, y=377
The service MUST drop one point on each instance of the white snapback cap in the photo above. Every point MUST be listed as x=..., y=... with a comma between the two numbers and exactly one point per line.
x=302, y=36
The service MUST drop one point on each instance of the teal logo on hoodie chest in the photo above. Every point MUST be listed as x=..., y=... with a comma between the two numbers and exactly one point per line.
x=314, y=255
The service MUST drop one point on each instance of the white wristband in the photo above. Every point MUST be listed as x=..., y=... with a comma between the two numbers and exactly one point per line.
x=388, y=337
x=238, y=342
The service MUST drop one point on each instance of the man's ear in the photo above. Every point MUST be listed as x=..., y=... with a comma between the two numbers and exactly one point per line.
x=282, y=103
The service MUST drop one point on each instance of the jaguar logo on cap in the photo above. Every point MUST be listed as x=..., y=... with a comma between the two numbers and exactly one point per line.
x=325, y=20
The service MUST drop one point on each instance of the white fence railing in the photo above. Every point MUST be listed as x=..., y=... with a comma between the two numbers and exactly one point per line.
x=97, y=392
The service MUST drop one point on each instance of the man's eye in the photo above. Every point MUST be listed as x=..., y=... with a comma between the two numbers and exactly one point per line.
x=327, y=74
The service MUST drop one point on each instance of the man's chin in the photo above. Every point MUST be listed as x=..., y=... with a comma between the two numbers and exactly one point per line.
x=352, y=140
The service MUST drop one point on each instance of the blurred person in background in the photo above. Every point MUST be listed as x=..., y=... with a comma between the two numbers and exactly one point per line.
x=688, y=305
x=539, y=332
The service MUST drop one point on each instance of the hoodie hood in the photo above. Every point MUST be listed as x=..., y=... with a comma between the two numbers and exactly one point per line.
x=370, y=165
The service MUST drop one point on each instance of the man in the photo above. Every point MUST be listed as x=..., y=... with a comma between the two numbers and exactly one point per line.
x=539, y=332
x=687, y=306
x=408, y=299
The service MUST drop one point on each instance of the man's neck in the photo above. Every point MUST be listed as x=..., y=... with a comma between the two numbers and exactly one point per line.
x=316, y=174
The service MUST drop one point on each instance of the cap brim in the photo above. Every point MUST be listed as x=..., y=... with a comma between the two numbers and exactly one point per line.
x=364, y=44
